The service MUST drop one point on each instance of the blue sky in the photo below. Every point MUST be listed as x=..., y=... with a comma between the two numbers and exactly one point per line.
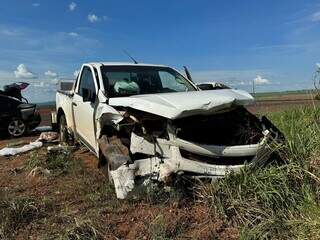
x=275, y=42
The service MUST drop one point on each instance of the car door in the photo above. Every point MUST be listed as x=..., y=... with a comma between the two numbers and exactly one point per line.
x=84, y=111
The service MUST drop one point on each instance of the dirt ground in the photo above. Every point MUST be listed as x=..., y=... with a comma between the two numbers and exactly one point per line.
x=82, y=196
x=80, y=201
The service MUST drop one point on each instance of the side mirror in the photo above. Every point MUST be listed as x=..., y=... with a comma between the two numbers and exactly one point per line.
x=88, y=95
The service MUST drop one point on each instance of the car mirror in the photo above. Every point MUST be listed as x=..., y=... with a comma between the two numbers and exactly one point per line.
x=88, y=95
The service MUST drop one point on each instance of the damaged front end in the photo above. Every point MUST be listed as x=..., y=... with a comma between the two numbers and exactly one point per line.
x=142, y=144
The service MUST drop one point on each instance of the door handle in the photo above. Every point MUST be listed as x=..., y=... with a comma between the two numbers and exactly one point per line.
x=74, y=104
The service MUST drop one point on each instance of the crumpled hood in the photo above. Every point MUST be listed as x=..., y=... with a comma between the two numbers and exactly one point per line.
x=184, y=104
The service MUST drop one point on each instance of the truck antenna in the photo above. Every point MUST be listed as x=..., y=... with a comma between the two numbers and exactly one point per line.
x=135, y=61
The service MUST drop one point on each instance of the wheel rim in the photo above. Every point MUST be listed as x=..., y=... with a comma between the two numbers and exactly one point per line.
x=16, y=128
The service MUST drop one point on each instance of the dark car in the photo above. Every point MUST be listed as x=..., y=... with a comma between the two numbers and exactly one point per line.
x=17, y=116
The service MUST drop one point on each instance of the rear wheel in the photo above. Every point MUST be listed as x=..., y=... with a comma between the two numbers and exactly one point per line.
x=16, y=127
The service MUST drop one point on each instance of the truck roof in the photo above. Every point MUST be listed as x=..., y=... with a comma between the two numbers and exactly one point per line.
x=99, y=64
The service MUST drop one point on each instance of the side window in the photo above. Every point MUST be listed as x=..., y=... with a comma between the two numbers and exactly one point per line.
x=86, y=81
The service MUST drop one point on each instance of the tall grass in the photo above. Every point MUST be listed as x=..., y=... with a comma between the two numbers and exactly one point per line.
x=301, y=127
x=277, y=202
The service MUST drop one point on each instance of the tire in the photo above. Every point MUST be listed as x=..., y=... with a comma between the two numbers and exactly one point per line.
x=16, y=127
x=63, y=131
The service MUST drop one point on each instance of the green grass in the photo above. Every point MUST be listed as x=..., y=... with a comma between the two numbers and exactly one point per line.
x=277, y=202
x=17, y=212
x=56, y=163
x=275, y=94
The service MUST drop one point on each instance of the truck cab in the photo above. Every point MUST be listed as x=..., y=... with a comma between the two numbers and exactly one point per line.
x=93, y=87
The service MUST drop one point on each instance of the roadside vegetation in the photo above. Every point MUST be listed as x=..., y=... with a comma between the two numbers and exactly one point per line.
x=75, y=201
x=277, y=202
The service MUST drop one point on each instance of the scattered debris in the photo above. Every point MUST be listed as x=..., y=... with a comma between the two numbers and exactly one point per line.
x=123, y=179
x=60, y=149
x=39, y=170
x=43, y=129
x=14, y=151
x=49, y=137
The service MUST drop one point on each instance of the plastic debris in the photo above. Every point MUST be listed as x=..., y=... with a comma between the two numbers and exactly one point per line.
x=14, y=151
x=123, y=179
x=60, y=149
x=43, y=129
x=49, y=137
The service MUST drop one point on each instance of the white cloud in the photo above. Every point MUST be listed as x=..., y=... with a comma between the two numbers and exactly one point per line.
x=23, y=72
x=53, y=76
x=318, y=65
x=73, y=34
x=72, y=6
x=54, y=81
x=230, y=77
x=260, y=80
x=35, y=4
x=93, y=18
x=50, y=74
x=76, y=73
x=315, y=17
x=40, y=84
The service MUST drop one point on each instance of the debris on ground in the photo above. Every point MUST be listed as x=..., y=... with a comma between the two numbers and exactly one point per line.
x=49, y=137
x=38, y=171
x=43, y=129
x=60, y=149
x=123, y=179
x=14, y=151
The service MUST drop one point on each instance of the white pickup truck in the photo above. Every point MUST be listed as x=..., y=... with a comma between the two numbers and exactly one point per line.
x=150, y=120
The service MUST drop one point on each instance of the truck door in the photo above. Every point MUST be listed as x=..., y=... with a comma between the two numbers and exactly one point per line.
x=84, y=109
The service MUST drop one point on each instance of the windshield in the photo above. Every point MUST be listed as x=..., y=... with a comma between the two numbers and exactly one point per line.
x=132, y=80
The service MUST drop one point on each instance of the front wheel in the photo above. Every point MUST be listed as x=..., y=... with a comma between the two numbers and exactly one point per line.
x=16, y=127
